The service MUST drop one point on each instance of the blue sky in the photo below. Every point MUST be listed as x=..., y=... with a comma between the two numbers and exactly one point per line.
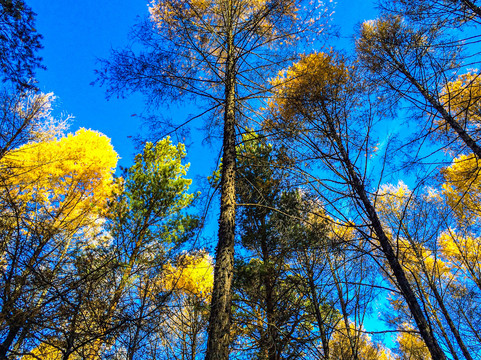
x=76, y=33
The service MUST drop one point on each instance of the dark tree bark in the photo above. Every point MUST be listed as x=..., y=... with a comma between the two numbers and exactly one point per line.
x=220, y=313
x=402, y=282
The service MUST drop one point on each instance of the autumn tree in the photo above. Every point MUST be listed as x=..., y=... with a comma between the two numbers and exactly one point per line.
x=51, y=192
x=217, y=51
x=416, y=51
x=417, y=224
x=318, y=101
x=412, y=51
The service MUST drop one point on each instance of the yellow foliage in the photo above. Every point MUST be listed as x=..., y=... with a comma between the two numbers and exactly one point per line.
x=463, y=252
x=392, y=202
x=411, y=346
x=317, y=77
x=342, y=342
x=342, y=231
x=463, y=186
x=44, y=352
x=374, y=33
x=387, y=39
x=207, y=15
x=170, y=11
x=417, y=259
x=462, y=98
x=392, y=198
x=68, y=179
x=194, y=274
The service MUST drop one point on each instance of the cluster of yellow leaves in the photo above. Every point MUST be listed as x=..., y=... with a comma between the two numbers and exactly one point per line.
x=342, y=231
x=411, y=346
x=462, y=98
x=342, y=340
x=384, y=39
x=463, y=252
x=392, y=202
x=374, y=31
x=417, y=259
x=45, y=352
x=461, y=247
x=318, y=77
x=67, y=179
x=193, y=274
x=463, y=186
x=207, y=13
x=372, y=34
x=392, y=198
x=169, y=12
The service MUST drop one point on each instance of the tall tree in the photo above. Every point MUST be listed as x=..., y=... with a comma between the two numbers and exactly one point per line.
x=319, y=101
x=272, y=307
x=219, y=51
x=146, y=223
x=413, y=51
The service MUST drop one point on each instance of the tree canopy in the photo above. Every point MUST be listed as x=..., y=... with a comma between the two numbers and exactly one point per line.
x=347, y=179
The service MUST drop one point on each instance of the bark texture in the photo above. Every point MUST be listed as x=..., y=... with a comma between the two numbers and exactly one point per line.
x=220, y=312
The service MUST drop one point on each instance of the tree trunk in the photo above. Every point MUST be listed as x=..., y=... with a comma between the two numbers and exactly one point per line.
x=462, y=133
x=5, y=346
x=268, y=280
x=401, y=279
x=220, y=312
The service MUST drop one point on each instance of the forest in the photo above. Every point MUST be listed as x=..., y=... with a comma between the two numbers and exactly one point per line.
x=347, y=190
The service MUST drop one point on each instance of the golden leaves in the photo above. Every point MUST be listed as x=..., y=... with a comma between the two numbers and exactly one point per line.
x=172, y=11
x=69, y=179
x=392, y=198
x=193, y=274
x=462, y=186
x=209, y=17
x=462, y=98
x=45, y=352
x=376, y=38
x=315, y=79
x=411, y=344
x=341, y=344
x=462, y=248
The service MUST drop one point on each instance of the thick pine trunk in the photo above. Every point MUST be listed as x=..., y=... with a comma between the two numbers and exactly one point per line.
x=220, y=312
